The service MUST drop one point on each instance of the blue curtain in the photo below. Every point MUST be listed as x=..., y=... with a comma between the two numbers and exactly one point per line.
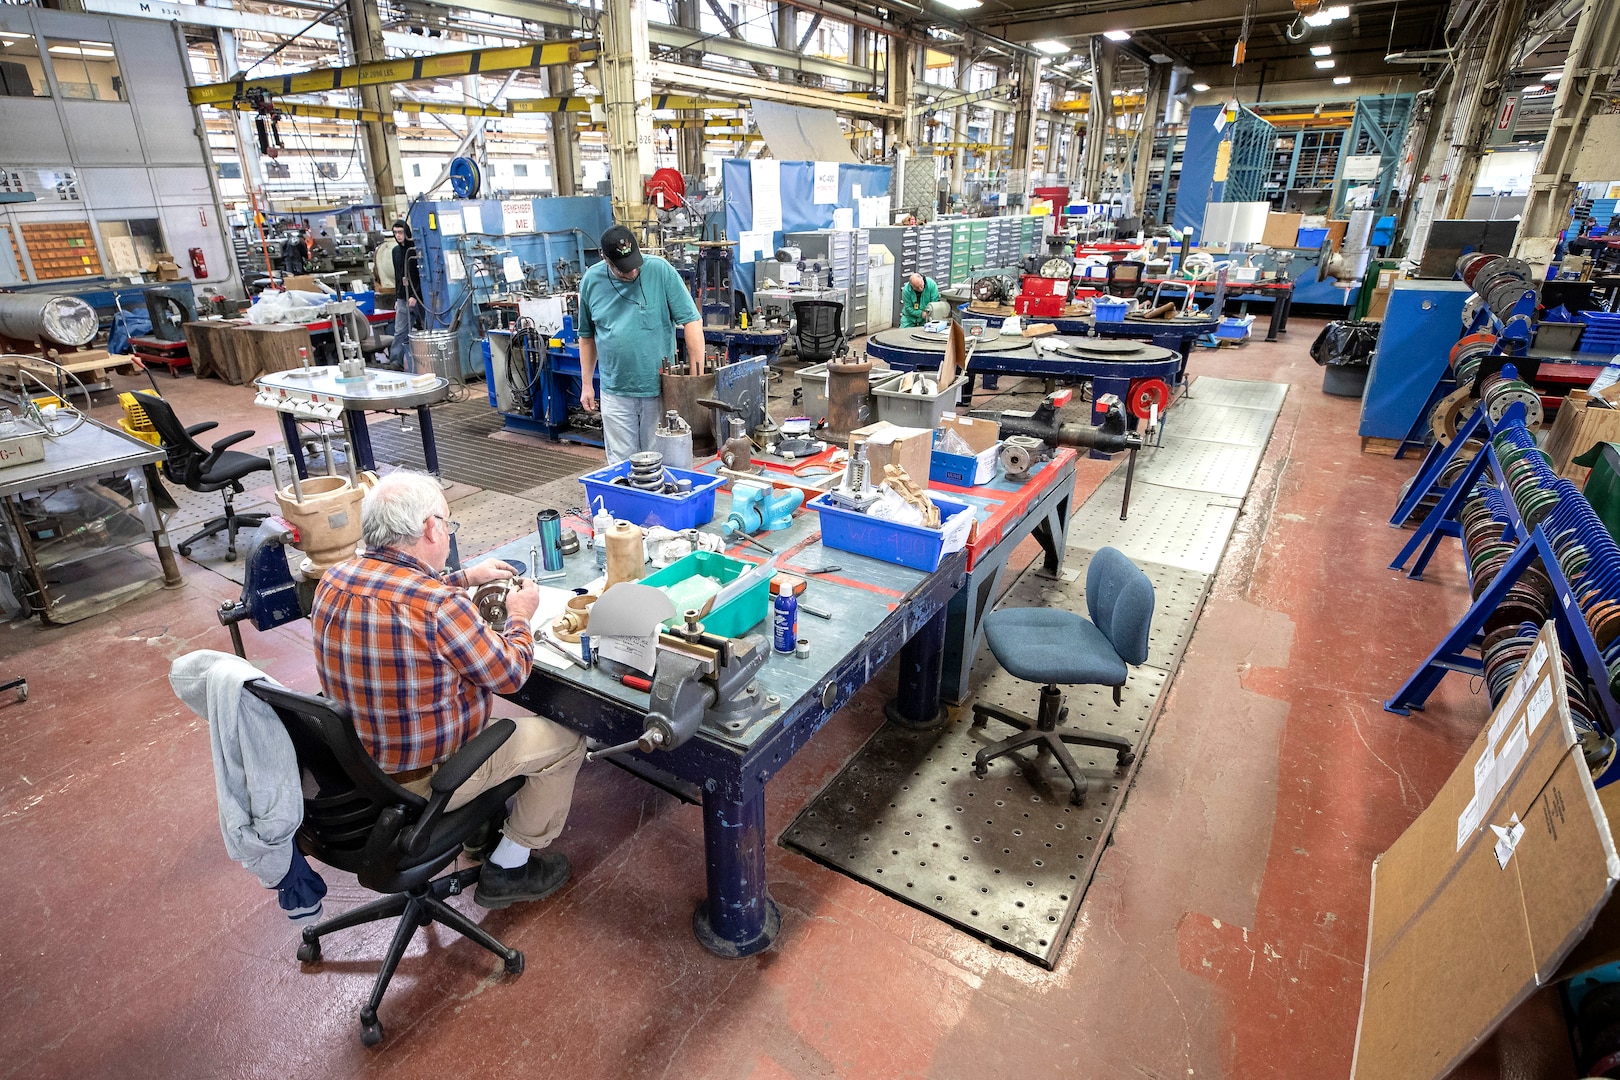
x=800, y=212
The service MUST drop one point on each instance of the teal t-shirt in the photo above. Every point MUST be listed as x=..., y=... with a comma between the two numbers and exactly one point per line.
x=633, y=324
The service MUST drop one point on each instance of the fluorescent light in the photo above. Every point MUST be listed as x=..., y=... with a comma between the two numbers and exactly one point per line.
x=1325, y=64
x=1321, y=18
x=961, y=5
x=1200, y=87
x=9, y=34
x=1338, y=11
x=1552, y=76
x=97, y=44
x=1321, y=50
x=1116, y=35
x=1341, y=80
x=1049, y=47
x=74, y=50
x=1536, y=89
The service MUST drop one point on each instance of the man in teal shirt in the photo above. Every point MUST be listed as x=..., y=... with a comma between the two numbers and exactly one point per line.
x=629, y=307
x=915, y=297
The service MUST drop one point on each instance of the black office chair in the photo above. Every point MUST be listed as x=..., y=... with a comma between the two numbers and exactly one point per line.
x=361, y=820
x=1123, y=278
x=220, y=469
x=818, y=329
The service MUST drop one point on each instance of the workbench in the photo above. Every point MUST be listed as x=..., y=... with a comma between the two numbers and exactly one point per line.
x=1279, y=293
x=238, y=351
x=70, y=539
x=316, y=394
x=931, y=620
x=738, y=344
x=1178, y=334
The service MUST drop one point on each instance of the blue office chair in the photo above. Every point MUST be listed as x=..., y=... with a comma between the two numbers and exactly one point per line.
x=1056, y=648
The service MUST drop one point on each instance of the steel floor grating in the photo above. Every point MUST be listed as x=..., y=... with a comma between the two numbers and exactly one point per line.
x=467, y=454
x=1008, y=857
x=1193, y=418
x=1199, y=465
x=1242, y=393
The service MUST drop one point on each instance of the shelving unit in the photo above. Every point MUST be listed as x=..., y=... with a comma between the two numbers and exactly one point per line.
x=1164, y=173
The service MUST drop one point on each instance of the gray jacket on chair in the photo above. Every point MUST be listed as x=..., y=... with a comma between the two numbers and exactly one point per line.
x=256, y=773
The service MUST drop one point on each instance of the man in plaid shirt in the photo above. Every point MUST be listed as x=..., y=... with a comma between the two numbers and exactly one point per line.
x=400, y=644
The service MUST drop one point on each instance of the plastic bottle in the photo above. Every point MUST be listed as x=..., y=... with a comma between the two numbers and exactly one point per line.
x=600, y=524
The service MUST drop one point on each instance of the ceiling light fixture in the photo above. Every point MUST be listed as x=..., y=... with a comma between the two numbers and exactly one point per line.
x=1200, y=87
x=1320, y=18
x=1536, y=89
x=1116, y=35
x=1049, y=47
x=1338, y=11
x=1552, y=76
x=1321, y=50
x=1341, y=80
x=961, y=5
x=1323, y=65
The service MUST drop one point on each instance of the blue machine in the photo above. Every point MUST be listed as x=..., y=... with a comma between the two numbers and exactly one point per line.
x=534, y=381
x=1422, y=323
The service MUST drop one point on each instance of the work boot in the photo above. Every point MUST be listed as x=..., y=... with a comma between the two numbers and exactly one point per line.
x=542, y=875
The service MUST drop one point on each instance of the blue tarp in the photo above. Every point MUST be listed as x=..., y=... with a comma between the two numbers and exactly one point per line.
x=1197, y=187
x=128, y=324
x=800, y=212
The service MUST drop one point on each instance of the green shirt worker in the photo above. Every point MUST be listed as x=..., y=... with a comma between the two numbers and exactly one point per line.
x=916, y=295
x=629, y=307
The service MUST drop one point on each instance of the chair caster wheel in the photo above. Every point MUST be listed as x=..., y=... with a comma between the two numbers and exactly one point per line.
x=1126, y=758
x=371, y=1031
x=309, y=952
x=184, y=550
x=514, y=963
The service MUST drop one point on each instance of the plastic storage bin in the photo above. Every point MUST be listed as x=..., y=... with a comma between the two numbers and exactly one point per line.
x=889, y=541
x=1110, y=308
x=736, y=616
x=365, y=301
x=1311, y=238
x=914, y=410
x=648, y=508
x=963, y=470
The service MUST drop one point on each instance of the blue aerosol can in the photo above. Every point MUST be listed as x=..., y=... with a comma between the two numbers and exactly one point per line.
x=785, y=590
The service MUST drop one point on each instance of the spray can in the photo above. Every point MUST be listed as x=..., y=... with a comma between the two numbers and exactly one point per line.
x=548, y=523
x=600, y=524
x=785, y=590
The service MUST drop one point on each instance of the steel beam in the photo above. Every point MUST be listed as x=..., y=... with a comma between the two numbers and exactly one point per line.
x=386, y=171
x=626, y=90
x=224, y=18
x=1140, y=17
x=666, y=73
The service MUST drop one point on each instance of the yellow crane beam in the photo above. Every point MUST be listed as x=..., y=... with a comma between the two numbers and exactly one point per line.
x=520, y=106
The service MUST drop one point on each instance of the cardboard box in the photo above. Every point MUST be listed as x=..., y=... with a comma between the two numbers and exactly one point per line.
x=889, y=444
x=301, y=283
x=1336, y=230
x=1379, y=302
x=1482, y=899
x=1578, y=427
x=1281, y=230
x=964, y=470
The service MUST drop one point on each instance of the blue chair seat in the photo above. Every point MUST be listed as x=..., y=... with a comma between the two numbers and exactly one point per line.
x=1044, y=645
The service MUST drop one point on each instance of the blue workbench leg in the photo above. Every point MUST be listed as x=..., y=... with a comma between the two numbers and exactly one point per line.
x=738, y=917
x=289, y=432
x=922, y=660
x=430, y=446
x=360, y=439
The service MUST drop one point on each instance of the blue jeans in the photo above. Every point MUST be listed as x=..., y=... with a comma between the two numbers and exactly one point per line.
x=628, y=424
x=399, y=353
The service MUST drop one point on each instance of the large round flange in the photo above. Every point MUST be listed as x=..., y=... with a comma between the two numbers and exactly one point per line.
x=1103, y=346
x=1447, y=416
x=1469, y=265
x=1505, y=394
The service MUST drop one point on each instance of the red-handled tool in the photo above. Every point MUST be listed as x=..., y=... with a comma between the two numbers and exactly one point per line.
x=636, y=682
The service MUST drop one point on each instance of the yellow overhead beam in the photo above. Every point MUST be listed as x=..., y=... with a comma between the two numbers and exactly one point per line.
x=583, y=104
x=1310, y=119
x=522, y=105
x=1083, y=103
x=407, y=69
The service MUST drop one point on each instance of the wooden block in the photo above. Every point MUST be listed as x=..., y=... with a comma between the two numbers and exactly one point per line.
x=1386, y=447
x=1039, y=329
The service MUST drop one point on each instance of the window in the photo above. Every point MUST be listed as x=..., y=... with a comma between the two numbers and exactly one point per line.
x=416, y=168
x=520, y=170
x=132, y=246
x=22, y=72
x=326, y=169
x=86, y=70
x=277, y=170
x=228, y=170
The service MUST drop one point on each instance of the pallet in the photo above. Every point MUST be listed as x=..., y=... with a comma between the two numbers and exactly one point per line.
x=1386, y=447
x=94, y=367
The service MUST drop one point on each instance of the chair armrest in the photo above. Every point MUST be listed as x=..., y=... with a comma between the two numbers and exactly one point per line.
x=198, y=429
x=220, y=447
x=456, y=770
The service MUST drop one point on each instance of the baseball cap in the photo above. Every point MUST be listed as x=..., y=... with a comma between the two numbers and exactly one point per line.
x=620, y=248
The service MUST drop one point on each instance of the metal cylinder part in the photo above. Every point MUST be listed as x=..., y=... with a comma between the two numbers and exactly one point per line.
x=673, y=439
x=56, y=320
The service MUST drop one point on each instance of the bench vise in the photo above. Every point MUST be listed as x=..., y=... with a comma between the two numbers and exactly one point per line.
x=271, y=596
x=700, y=678
x=1110, y=436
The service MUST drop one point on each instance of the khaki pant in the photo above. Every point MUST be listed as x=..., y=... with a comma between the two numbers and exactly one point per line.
x=549, y=755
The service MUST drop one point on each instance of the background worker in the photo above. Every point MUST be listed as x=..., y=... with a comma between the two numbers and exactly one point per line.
x=407, y=294
x=916, y=295
x=629, y=307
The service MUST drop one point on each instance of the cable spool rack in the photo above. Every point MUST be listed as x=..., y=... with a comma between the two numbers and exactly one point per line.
x=1535, y=550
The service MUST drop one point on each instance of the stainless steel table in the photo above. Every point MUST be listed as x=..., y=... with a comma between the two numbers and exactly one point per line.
x=70, y=539
x=317, y=394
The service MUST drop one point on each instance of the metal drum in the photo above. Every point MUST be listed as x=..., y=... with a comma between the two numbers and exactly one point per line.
x=54, y=320
x=435, y=351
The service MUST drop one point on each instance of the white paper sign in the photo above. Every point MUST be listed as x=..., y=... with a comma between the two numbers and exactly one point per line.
x=450, y=223
x=765, y=180
x=754, y=244
x=1362, y=166
x=473, y=218
x=512, y=268
x=453, y=269
x=826, y=183
x=874, y=211
x=1468, y=821
x=517, y=216
x=844, y=218
x=1540, y=704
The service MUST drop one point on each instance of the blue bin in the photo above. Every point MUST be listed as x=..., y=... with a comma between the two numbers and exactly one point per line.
x=646, y=508
x=1110, y=308
x=367, y=301
x=888, y=541
x=1311, y=238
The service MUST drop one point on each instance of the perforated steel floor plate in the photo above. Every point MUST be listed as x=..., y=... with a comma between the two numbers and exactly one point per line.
x=1178, y=595
x=1196, y=465
x=1243, y=393
x=1191, y=418
x=1186, y=529
x=1007, y=857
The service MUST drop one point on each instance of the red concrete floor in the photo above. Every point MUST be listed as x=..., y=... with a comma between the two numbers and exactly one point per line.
x=1223, y=935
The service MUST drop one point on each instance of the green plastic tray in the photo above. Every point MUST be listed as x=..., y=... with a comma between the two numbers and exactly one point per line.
x=736, y=616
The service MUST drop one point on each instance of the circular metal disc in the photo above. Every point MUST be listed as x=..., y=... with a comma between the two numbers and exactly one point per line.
x=1105, y=346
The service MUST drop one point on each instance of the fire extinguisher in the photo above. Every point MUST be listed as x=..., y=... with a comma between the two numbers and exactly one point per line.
x=199, y=266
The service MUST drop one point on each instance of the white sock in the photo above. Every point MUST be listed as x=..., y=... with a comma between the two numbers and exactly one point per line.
x=509, y=855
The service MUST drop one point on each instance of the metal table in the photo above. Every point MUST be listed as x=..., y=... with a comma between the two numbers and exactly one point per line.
x=1178, y=334
x=111, y=573
x=1279, y=293
x=879, y=610
x=743, y=343
x=317, y=393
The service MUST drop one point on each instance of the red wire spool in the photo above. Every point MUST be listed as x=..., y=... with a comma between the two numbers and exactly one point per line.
x=1147, y=393
x=666, y=182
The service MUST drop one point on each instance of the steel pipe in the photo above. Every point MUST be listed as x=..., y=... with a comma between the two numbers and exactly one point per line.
x=55, y=320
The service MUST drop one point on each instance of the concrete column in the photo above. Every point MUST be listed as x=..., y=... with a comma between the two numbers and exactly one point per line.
x=1484, y=91
x=1100, y=119
x=900, y=134
x=1593, y=54
x=1027, y=74
x=627, y=93
x=562, y=143
x=959, y=119
x=787, y=39
x=381, y=136
x=689, y=139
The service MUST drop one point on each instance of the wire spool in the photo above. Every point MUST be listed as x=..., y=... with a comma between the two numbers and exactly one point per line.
x=666, y=188
x=466, y=178
x=1147, y=395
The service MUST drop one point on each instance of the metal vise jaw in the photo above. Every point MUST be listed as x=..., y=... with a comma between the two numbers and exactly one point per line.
x=271, y=597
